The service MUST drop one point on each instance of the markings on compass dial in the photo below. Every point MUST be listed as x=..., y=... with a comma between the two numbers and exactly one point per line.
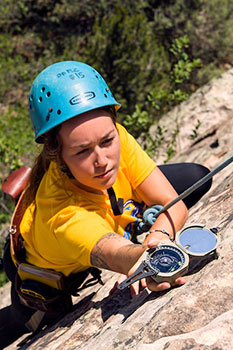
x=167, y=259
x=173, y=268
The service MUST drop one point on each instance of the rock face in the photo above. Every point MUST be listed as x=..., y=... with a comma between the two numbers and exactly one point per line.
x=198, y=315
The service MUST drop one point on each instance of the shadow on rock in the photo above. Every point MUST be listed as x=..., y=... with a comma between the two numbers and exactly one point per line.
x=67, y=321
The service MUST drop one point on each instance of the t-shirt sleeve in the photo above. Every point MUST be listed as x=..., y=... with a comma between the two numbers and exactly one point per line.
x=134, y=159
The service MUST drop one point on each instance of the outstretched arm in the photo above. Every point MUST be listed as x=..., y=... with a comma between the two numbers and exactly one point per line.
x=116, y=253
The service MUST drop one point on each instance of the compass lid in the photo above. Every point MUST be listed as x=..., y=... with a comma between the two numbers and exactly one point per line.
x=196, y=240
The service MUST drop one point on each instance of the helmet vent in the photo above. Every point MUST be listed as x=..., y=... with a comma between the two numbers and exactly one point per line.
x=43, y=89
x=48, y=94
x=58, y=111
x=106, y=95
x=40, y=99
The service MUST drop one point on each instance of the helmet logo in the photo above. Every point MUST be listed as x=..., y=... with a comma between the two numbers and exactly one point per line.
x=73, y=73
x=88, y=95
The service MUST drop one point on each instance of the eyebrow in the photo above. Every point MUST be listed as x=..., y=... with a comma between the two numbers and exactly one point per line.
x=87, y=144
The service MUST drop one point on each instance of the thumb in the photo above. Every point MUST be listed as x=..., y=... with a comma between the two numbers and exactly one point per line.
x=152, y=242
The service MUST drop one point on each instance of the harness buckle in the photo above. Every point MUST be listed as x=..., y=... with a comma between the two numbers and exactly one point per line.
x=12, y=229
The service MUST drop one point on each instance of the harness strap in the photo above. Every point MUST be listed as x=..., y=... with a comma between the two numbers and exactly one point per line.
x=71, y=283
x=116, y=204
x=16, y=246
x=35, y=320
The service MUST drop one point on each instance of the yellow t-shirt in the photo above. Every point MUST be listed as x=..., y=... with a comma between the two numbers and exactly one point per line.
x=62, y=227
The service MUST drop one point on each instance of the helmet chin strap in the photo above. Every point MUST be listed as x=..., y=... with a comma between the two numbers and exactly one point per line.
x=117, y=205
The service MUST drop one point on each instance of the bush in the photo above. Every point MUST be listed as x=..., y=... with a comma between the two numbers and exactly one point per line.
x=16, y=138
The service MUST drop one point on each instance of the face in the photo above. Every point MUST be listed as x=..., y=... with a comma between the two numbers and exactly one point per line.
x=91, y=150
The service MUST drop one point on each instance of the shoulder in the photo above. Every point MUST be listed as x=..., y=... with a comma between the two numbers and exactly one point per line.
x=123, y=133
x=127, y=141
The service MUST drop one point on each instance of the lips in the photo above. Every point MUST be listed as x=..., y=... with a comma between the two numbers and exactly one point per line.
x=103, y=175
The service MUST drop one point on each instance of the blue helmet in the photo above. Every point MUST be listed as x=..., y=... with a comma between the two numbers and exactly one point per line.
x=63, y=91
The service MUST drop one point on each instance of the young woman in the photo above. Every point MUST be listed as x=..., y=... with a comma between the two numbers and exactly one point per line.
x=91, y=183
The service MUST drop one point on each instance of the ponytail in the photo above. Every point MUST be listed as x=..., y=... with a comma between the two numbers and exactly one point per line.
x=51, y=152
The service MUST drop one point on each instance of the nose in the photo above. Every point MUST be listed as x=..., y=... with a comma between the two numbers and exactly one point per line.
x=100, y=158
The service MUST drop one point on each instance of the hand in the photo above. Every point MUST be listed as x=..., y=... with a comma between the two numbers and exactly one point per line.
x=149, y=282
x=120, y=279
x=134, y=288
x=158, y=287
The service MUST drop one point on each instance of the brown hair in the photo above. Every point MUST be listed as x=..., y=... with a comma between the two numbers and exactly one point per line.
x=52, y=151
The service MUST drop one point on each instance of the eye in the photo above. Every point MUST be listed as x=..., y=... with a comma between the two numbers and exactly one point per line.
x=82, y=151
x=107, y=141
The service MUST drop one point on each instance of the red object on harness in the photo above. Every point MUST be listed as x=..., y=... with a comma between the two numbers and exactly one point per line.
x=16, y=182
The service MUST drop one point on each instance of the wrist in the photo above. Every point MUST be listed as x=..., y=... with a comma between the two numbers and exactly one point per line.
x=160, y=234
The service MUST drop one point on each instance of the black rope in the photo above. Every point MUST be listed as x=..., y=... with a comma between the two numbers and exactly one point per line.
x=195, y=186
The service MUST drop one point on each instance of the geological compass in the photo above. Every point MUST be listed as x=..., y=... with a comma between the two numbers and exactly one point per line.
x=170, y=260
x=163, y=263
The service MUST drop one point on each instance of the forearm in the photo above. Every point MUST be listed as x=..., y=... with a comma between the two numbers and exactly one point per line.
x=156, y=189
x=171, y=221
x=116, y=253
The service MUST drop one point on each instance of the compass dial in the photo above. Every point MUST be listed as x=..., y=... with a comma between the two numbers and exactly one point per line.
x=167, y=259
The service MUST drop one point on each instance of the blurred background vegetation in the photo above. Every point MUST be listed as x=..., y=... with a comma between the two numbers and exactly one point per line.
x=152, y=53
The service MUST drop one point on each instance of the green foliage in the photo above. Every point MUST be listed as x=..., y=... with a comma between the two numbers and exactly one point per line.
x=16, y=138
x=3, y=278
x=128, y=42
x=213, y=27
x=17, y=149
x=165, y=97
x=148, y=51
x=172, y=144
x=126, y=50
x=6, y=210
x=194, y=134
x=184, y=66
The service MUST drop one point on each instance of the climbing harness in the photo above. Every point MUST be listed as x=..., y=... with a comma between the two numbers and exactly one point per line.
x=38, y=288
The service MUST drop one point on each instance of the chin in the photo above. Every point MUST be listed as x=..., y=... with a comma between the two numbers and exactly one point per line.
x=110, y=183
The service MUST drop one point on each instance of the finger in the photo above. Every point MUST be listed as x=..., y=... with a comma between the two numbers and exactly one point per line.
x=152, y=242
x=138, y=287
x=119, y=280
x=112, y=290
x=179, y=281
x=134, y=289
x=143, y=283
x=157, y=287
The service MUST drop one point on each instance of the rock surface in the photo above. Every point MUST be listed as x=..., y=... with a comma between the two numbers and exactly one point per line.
x=198, y=315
